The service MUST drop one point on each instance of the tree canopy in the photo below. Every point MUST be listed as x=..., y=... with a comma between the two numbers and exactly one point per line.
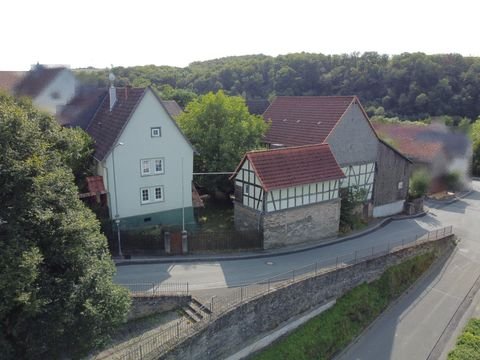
x=58, y=299
x=412, y=85
x=222, y=130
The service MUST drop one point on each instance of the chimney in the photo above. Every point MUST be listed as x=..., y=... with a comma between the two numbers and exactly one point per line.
x=112, y=91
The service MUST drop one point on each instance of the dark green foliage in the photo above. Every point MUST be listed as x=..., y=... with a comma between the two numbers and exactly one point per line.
x=58, y=298
x=475, y=134
x=222, y=130
x=419, y=183
x=452, y=180
x=350, y=218
x=411, y=84
x=325, y=335
x=468, y=343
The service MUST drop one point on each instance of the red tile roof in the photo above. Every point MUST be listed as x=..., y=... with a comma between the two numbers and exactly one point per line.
x=412, y=140
x=36, y=80
x=9, y=79
x=95, y=184
x=303, y=120
x=106, y=126
x=281, y=168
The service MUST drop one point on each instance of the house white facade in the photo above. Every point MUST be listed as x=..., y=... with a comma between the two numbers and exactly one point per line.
x=57, y=92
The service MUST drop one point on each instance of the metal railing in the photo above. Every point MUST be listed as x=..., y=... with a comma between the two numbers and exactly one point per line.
x=157, y=289
x=154, y=345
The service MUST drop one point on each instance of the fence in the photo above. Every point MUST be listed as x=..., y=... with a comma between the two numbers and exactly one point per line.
x=199, y=241
x=157, y=289
x=158, y=343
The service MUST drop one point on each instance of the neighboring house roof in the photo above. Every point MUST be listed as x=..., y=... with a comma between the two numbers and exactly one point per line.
x=36, y=80
x=197, y=201
x=257, y=107
x=94, y=186
x=172, y=108
x=423, y=143
x=80, y=110
x=303, y=120
x=9, y=79
x=281, y=168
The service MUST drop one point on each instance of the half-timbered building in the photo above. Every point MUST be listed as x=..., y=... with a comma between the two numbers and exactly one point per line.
x=290, y=195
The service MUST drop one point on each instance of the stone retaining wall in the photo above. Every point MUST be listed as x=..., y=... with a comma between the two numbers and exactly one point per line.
x=147, y=305
x=231, y=331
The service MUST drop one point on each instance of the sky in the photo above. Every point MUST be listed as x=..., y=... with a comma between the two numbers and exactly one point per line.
x=102, y=33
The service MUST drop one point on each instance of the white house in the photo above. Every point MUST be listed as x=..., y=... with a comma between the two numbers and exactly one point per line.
x=143, y=157
x=48, y=87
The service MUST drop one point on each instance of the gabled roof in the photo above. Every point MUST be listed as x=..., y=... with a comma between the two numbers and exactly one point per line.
x=172, y=107
x=423, y=143
x=303, y=120
x=36, y=80
x=106, y=126
x=80, y=110
x=9, y=79
x=281, y=168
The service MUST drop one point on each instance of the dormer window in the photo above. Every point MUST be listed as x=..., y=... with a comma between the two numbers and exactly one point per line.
x=156, y=131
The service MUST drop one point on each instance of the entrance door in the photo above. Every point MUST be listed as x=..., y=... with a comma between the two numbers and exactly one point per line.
x=176, y=243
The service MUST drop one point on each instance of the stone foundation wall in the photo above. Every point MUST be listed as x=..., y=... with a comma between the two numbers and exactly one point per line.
x=143, y=305
x=301, y=224
x=231, y=331
x=246, y=218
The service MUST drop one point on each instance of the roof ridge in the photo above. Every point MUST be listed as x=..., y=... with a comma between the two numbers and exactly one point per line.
x=288, y=148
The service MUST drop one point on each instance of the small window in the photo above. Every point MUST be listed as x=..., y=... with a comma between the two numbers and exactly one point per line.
x=156, y=132
x=158, y=193
x=145, y=167
x=400, y=185
x=246, y=191
x=145, y=196
x=158, y=166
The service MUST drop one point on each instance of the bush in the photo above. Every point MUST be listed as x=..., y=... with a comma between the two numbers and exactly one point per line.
x=468, y=343
x=349, y=218
x=452, y=180
x=419, y=183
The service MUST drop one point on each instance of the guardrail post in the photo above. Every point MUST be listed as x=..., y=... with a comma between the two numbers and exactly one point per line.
x=141, y=353
x=187, y=288
x=178, y=328
x=241, y=294
x=211, y=305
x=154, y=291
x=316, y=268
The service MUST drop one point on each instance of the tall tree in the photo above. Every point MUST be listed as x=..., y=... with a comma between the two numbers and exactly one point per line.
x=222, y=130
x=58, y=299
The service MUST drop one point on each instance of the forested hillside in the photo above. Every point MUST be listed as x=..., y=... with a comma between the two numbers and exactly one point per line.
x=408, y=85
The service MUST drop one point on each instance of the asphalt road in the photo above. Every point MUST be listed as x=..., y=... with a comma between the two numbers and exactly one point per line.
x=230, y=273
x=413, y=327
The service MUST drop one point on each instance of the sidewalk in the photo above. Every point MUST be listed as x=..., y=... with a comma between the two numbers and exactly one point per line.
x=143, y=260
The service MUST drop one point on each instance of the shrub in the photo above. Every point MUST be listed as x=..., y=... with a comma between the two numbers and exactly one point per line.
x=419, y=183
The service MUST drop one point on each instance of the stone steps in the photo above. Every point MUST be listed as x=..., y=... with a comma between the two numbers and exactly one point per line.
x=195, y=311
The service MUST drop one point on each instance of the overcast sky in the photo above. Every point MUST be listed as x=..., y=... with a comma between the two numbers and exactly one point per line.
x=176, y=32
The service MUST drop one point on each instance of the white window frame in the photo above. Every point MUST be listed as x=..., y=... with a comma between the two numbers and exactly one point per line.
x=152, y=194
x=152, y=168
x=142, y=201
x=156, y=131
x=161, y=165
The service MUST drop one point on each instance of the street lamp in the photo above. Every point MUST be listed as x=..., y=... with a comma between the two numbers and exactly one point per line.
x=117, y=216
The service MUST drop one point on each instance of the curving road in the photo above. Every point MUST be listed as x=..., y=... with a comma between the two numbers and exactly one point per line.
x=422, y=323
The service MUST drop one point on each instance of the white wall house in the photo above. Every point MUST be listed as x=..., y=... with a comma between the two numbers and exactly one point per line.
x=145, y=160
x=48, y=87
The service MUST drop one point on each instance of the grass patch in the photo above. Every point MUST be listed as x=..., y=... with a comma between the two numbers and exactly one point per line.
x=468, y=343
x=325, y=335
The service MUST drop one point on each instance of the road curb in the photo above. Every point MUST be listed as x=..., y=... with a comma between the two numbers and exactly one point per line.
x=166, y=260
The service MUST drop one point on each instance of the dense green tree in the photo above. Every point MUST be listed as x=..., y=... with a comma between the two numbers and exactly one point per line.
x=475, y=133
x=58, y=299
x=222, y=130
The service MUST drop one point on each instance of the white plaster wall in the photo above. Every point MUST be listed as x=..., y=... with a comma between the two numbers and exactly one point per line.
x=64, y=84
x=138, y=144
x=388, y=209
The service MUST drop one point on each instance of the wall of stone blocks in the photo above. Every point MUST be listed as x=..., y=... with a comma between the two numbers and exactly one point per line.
x=233, y=330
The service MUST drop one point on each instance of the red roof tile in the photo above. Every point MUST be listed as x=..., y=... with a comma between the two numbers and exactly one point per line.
x=95, y=184
x=303, y=120
x=411, y=140
x=9, y=79
x=281, y=168
x=106, y=126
